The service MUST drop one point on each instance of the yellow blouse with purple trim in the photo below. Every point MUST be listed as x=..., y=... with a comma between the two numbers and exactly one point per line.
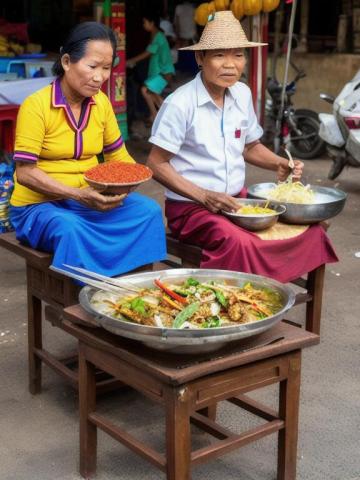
x=48, y=135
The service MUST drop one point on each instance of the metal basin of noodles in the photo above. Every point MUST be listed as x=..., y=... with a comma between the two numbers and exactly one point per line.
x=328, y=203
x=259, y=221
x=190, y=340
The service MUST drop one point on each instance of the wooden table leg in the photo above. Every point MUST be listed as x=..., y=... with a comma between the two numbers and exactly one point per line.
x=315, y=286
x=289, y=412
x=34, y=342
x=209, y=412
x=178, y=445
x=87, y=405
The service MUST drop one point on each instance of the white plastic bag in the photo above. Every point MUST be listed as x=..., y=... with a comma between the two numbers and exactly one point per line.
x=329, y=130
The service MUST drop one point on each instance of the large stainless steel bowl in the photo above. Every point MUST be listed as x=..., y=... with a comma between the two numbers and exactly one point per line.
x=190, y=340
x=258, y=221
x=329, y=202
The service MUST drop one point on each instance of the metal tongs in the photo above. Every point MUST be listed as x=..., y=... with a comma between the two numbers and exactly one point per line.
x=96, y=280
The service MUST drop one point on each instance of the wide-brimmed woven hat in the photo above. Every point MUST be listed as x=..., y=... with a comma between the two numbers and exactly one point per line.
x=222, y=30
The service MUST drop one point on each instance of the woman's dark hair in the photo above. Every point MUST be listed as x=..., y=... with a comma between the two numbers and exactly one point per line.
x=75, y=44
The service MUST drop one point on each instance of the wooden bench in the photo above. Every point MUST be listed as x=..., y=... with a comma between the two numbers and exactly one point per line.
x=189, y=256
x=44, y=286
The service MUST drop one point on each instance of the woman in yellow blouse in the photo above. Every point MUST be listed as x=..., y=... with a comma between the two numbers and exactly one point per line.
x=60, y=131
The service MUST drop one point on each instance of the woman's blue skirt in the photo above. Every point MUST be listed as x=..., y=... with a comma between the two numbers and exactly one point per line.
x=110, y=243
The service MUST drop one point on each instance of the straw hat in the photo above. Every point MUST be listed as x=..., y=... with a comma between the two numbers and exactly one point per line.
x=222, y=30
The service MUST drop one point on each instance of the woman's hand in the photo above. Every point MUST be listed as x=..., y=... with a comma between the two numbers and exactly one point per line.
x=93, y=199
x=215, y=201
x=283, y=170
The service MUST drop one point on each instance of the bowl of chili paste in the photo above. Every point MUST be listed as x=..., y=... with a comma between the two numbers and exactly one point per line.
x=116, y=178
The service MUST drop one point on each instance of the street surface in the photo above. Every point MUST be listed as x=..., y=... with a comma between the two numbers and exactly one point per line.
x=39, y=434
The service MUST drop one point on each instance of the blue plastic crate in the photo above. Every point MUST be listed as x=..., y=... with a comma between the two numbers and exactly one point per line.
x=4, y=62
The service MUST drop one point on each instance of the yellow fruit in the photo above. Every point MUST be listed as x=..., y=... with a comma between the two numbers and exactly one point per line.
x=270, y=5
x=202, y=13
x=212, y=8
x=221, y=5
x=237, y=7
x=252, y=7
x=16, y=48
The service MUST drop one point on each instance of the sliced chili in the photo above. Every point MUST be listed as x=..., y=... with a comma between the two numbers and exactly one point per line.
x=170, y=292
x=118, y=172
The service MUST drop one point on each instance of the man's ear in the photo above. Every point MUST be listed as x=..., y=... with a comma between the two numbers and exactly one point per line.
x=199, y=57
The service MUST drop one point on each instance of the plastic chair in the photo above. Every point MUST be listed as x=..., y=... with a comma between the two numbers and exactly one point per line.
x=8, y=114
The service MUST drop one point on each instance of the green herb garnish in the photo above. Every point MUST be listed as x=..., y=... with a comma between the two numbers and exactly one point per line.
x=191, y=282
x=138, y=305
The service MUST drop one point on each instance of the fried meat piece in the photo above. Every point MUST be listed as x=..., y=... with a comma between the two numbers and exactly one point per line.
x=238, y=313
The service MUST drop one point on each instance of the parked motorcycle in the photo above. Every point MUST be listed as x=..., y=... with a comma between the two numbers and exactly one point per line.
x=299, y=129
x=341, y=130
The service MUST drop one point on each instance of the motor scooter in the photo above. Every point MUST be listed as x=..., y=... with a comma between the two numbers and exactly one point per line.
x=341, y=129
x=299, y=128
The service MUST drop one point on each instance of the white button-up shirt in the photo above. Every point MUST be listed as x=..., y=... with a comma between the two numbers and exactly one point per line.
x=207, y=141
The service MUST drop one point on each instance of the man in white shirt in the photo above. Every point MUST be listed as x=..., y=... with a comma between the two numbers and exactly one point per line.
x=193, y=128
x=203, y=135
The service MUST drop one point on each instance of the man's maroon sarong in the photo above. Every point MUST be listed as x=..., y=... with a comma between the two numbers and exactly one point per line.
x=229, y=247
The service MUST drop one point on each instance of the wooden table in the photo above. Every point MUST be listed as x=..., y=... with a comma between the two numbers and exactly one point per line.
x=189, y=388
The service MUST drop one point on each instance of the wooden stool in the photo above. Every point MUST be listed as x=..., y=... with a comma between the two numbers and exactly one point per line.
x=44, y=286
x=189, y=256
x=189, y=388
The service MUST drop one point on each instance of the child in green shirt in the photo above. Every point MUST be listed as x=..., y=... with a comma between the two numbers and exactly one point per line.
x=161, y=67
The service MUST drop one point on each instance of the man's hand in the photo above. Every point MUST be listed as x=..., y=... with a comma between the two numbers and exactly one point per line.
x=93, y=199
x=215, y=201
x=284, y=171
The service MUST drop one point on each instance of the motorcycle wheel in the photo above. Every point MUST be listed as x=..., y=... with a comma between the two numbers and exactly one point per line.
x=311, y=146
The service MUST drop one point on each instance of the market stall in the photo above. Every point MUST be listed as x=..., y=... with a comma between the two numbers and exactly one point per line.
x=115, y=87
x=23, y=71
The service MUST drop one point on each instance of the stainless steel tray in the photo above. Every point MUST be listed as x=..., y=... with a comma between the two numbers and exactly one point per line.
x=329, y=202
x=190, y=340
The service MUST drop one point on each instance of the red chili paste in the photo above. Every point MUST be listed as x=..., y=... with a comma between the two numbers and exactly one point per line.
x=118, y=172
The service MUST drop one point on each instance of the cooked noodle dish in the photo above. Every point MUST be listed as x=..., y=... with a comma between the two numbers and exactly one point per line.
x=191, y=304
x=255, y=210
x=291, y=192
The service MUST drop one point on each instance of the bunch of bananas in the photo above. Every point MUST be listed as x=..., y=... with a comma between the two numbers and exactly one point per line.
x=10, y=48
x=238, y=7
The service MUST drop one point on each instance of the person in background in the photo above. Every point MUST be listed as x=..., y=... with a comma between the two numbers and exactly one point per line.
x=185, y=27
x=161, y=68
x=167, y=27
x=203, y=136
x=60, y=131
